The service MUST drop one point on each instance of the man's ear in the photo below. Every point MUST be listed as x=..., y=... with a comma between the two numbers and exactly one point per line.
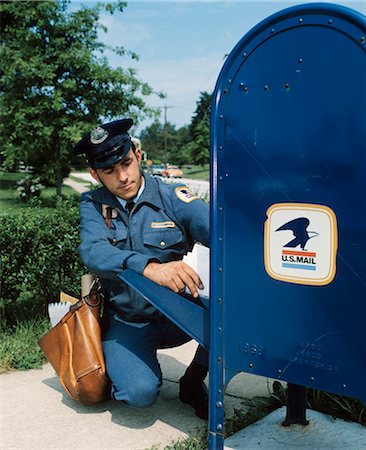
x=138, y=155
x=94, y=174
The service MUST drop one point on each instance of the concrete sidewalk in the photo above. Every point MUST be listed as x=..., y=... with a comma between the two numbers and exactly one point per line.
x=323, y=433
x=37, y=414
x=77, y=186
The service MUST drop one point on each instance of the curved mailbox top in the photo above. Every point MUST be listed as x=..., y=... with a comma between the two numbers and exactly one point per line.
x=314, y=15
x=288, y=217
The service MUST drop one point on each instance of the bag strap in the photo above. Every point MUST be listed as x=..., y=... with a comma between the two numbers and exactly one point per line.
x=93, y=297
x=108, y=219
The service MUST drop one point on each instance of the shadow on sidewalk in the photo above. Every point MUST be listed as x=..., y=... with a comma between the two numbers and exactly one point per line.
x=168, y=409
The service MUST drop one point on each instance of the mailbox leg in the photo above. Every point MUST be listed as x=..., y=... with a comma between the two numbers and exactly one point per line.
x=296, y=406
x=216, y=408
x=215, y=441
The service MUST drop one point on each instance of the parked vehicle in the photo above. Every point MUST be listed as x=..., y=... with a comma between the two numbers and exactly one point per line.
x=172, y=172
x=156, y=169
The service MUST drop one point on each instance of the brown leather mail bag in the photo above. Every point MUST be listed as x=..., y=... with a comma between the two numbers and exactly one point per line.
x=74, y=348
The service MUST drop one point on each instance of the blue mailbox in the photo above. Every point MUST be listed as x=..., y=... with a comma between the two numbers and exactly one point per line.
x=288, y=214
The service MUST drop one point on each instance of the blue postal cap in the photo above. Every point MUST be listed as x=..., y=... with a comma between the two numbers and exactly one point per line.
x=106, y=144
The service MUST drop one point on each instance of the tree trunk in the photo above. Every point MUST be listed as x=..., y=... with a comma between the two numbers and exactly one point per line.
x=58, y=182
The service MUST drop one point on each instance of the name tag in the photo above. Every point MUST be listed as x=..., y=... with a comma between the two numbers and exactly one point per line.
x=167, y=224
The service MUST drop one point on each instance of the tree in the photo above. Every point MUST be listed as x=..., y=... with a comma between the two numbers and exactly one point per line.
x=178, y=151
x=153, y=142
x=56, y=83
x=199, y=145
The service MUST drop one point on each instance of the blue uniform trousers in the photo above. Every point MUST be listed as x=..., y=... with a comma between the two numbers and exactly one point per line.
x=130, y=353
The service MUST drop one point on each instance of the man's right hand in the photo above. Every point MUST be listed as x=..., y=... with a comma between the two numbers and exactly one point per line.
x=175, y=275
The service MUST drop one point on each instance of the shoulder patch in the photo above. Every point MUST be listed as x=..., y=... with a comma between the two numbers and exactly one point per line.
x=185, y=194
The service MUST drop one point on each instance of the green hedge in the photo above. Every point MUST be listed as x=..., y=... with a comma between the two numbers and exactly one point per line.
x=39, y=259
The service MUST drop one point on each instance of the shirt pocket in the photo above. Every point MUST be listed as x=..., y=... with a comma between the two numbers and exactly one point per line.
x=118, y=236
x=163, y=239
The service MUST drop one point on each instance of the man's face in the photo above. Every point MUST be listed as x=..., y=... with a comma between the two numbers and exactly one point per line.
x=122, y=179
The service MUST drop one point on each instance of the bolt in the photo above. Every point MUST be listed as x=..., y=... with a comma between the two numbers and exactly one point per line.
x=287, y=86
x=220, y=269
x=218, y=404
x=220, y=239
x=219, y=359
x=363, y=39
x=219, y=427
x=344, y=386
x=229, y=81
x=312, y=378
x=301, y=20
x=251, y=365
x=220, y=147
x=246, y=89
x=220, y=178
x=220, y=300
x=266, y=87
x=219, y=329
x=225, y=91
x=300, y=60
x=279, y=371
x=244, y=55
x=330, y=21
x=221, y=116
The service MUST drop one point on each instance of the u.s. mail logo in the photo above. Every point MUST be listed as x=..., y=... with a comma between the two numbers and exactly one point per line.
x=295, y=253
x=300, y=243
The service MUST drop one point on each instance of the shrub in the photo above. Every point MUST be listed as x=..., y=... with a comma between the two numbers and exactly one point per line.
x=39, y=259
x=29, y=187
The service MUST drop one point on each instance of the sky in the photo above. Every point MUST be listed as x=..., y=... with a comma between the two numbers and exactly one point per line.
x=183, y=44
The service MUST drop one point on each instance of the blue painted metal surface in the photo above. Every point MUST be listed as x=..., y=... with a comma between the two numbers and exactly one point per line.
x=289, y=127
x=192, y=318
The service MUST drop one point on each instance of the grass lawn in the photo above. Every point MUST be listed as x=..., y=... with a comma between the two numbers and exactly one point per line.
x=9, y=197
x=18, y=345
x=197, y=172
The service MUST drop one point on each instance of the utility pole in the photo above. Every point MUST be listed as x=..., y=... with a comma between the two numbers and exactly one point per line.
x=166, y=132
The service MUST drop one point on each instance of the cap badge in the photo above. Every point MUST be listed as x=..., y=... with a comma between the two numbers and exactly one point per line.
x=98, y=135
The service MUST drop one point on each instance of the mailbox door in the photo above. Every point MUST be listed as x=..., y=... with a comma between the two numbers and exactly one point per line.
x=288, y=202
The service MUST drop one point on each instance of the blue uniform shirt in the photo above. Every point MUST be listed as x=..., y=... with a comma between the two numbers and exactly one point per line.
x=164, y=225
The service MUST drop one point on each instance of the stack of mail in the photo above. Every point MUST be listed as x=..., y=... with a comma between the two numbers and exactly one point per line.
x=57, y=311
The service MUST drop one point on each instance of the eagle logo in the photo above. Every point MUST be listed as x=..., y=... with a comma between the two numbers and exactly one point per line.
x=301, y=234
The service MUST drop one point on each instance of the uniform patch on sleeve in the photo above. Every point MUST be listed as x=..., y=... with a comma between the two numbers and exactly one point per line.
x=185, y=194
x=167, y=224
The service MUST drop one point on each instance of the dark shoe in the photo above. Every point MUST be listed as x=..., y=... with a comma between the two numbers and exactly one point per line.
x=195, y=394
